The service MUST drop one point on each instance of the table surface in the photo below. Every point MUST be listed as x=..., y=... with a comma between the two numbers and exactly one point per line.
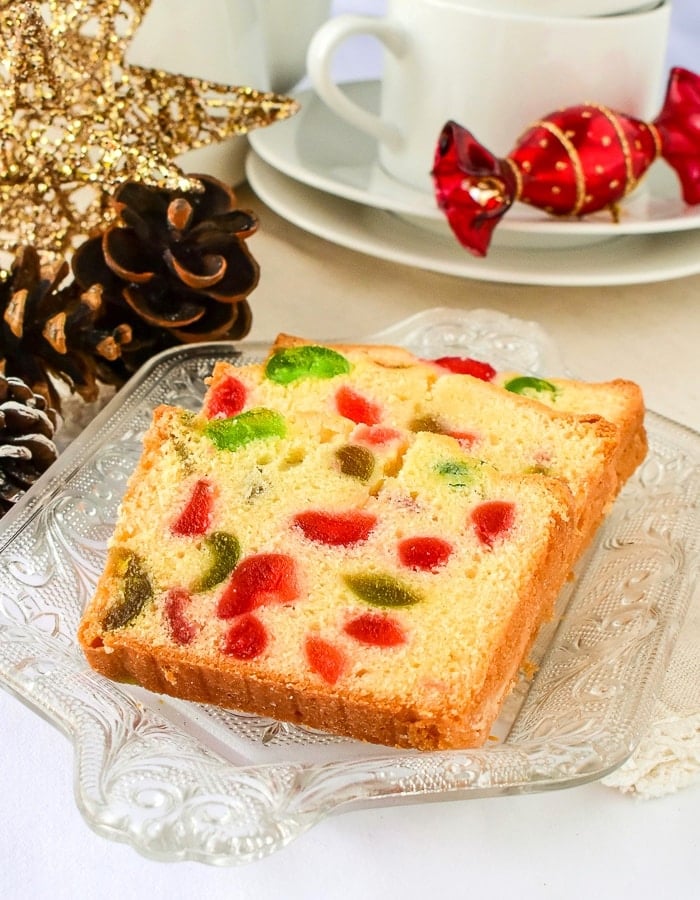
x=575, y=843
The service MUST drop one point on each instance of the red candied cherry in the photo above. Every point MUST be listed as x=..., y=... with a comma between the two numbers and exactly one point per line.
x=375, y=435
x=464, y=365
x=196, y=517
x=424, y=552
x=376, y=629
x=466, y=439
x=492, y=520
x=335, y=529
x=226, y=399
x=246, y=638
x=264, y=578
x=354, y=406
x=324, y=658
x=182, y=630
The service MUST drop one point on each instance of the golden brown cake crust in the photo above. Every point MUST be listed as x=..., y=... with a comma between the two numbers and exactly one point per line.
x=384, y=354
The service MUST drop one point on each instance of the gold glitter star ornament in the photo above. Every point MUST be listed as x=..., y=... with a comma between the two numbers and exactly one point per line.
x=76, y=120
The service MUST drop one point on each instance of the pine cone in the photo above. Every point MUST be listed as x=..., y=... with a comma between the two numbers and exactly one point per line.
x=27, y=426
x=48, y=330
x=174, y=265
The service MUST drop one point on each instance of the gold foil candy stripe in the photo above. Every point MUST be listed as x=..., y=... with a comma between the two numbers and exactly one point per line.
x=612, y=117
x=574, y=159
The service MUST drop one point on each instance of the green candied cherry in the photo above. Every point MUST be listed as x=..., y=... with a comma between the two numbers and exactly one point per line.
x=456, y=472
x=529, y=386
x=309, y=361
x=381, y=590
x=137, y=591
x=435, y=425
x=255, y=424
x=355, y=461
x=224, y=552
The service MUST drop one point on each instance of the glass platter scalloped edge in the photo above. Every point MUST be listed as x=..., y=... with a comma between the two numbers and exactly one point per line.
x=181, y=781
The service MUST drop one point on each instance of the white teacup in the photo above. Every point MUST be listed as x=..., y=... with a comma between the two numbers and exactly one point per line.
x=492, y=72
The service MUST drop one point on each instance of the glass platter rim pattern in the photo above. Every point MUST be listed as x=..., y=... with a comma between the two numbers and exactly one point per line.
x=217, y=812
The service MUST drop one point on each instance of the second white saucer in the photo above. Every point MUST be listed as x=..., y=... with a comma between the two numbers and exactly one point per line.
x=627, y=259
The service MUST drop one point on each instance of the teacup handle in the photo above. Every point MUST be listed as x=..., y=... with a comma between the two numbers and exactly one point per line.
x=318, y=64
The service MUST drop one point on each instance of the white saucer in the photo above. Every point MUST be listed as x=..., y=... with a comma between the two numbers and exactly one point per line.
x=319, y=149
x=630, y=259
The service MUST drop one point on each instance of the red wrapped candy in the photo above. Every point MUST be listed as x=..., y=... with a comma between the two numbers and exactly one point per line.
x=572, y=162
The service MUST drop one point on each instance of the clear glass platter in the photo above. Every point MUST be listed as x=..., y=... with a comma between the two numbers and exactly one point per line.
x=185, y=781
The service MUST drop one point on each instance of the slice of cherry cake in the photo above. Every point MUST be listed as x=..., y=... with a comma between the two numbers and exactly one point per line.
x=385, y=390
x=264, y=562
